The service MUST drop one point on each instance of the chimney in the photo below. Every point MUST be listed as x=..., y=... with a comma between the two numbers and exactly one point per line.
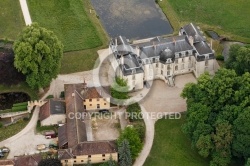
x=211, y=45
x=122, y=60
x=191, y=40
x=137, y=51
x=154, y=45
x=116, y=42
x=174, y=41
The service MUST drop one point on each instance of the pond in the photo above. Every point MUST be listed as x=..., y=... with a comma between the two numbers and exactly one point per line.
x=8, y=99
x=134, y=19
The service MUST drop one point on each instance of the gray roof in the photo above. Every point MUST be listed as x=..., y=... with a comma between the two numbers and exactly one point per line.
x=175, y=44
x=192, y=30
x=131, y=64
x=203, y=48
x=57, y=107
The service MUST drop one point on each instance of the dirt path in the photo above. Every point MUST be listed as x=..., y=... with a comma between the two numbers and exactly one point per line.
x=26, y=13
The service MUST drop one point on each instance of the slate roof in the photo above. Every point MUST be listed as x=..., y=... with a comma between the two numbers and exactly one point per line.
x=203, y=48
x=154, y=48
x=51, y=107
x=131, y=64
x=192, y=30
x=31, y=160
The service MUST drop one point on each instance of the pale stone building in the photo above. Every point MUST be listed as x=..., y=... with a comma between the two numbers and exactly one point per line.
x=162, y=58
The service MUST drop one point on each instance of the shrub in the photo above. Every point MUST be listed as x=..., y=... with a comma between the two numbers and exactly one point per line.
x=141, y=129
x=134, y=111
x=220, y=58
x=20, y=104
x=19, y=108
x=1, y=125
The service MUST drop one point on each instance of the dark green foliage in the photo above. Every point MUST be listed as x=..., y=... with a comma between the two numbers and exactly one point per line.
x=1, y=125
x=119, y=90
x=110, y=162
x=141, y=129
x=248, y=162
x=38, y=55
x=134, y=112
x=50, y=162
x=218, y=117
x=50, y=97
x=239, y=59
x=130, y=134
x=220, y=57
x=124, y=153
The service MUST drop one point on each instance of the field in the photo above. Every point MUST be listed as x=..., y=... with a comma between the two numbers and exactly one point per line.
x=68, y=20
x=11, y=19
x=172, y=147
x=227, y=17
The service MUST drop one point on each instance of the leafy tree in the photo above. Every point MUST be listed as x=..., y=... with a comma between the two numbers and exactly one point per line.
x=239, y=59
x=248, y=162
x=130, y=134
x=110, y=162
x=134, y=111
x=140, y=129
x=218, y=115
x=50, y=162
x=124, y=153
x=38, y=55
x=119, y=90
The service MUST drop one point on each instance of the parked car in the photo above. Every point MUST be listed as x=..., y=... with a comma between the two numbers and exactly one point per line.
x=1, y=155
x=41, y=147
x=104, y=111
x=5, y=150
x=50, y=134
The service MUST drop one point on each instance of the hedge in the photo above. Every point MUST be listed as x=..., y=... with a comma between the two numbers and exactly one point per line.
x=19, y=108
x=20, y=104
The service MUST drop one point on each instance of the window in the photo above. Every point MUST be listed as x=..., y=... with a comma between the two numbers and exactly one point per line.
x=161, y=71
x=89, y=156
x=105, y=103
x=66, y=161
x=133, y=77
x=157, y=65
x=182, y=60
x=103, y=159
x=162, y=66
x=103, y=155
x=176, y=61
x=74, y=157
x=82, y=161
x=84, y=100
x=97, y=99
x=74, y=161
x=176, y=67
x=90, y=100
x=189, y=58
x=98, y=105
x=168, y=67
x=182, y=66
x=90, y=104
x=168, y=73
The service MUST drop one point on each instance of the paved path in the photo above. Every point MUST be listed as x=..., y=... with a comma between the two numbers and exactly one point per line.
x=26, y=13
x=149, y=138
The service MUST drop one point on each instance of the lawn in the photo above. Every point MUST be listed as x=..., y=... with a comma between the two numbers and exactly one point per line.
x=228, y=17
x=68, y=20
x=11, y=19
x=12, y=129
x=172, y=147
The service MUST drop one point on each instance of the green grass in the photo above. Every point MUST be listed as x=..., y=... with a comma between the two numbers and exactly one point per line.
x=21, y=87
x=172, y=147
x=226, y=17
x=11, y=19
x=68, y=20
x=12, y=129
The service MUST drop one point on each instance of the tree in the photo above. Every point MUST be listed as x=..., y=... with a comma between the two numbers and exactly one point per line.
x=38, y=55
x=119, y=90
x=218, y=115
x=134, y=111
x=50, y=162
x=110, y=162
x=239, y=59
x=248, y=162
x=130, y=134
x=124, y=153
